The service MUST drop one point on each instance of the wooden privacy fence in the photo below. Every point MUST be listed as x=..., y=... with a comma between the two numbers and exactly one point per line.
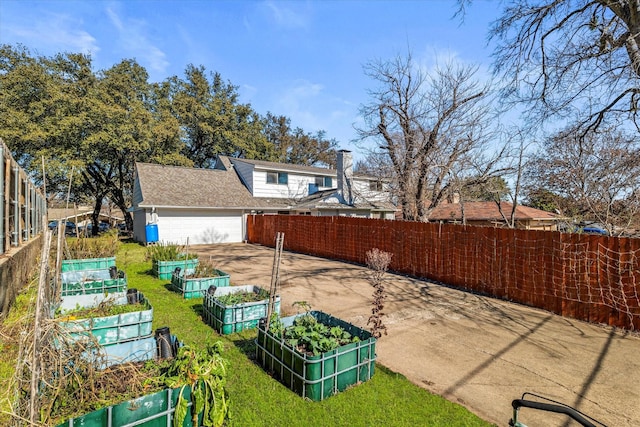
x=586, y=277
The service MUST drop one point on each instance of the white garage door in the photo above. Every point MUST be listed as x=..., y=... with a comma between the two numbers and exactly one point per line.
x=175, y=225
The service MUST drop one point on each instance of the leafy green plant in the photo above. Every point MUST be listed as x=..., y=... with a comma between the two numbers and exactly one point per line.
x=308, y=336
x=243, y=297
x=165, y=251
x=205, y=372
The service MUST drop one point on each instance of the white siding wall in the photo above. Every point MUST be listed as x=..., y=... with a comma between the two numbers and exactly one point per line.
x=361, y=188
x=297, y=187
x=245, y=171
x=200, y=226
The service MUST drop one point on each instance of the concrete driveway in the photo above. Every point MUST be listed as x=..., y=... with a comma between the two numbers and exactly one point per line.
x=473, y=350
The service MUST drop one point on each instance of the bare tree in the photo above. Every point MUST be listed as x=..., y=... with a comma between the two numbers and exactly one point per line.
x=599, y=173
x=435, y=127
x=567, y=58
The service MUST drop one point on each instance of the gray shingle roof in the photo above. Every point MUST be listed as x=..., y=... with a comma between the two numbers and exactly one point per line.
x=180, y=187
x=175, y=186
x=313, y=170
x=284, y=166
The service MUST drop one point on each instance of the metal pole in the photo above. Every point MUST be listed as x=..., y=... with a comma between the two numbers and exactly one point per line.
x=27, y=211
x=2, y=199
x=16, y=206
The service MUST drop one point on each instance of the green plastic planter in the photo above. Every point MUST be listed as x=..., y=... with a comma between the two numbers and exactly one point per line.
x=227, y=319
x=112, y=329
x=152, y=410
x=87, y=264
x=197, y=286
x=164, y=269
x=318, y=377
x=95, y=287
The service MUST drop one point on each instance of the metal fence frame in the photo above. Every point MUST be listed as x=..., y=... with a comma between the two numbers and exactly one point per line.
x=24, y=205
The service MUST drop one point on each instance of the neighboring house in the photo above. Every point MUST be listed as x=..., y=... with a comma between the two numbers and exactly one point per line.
x=211, y=205
x=489, y=214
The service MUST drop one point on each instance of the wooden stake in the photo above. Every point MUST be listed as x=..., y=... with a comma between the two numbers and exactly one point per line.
x=275, y=278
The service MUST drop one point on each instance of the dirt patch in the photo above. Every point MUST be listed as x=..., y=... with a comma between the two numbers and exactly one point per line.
x=476, y=351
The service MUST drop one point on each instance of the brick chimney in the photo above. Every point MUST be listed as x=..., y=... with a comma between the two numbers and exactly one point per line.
x=345, y=175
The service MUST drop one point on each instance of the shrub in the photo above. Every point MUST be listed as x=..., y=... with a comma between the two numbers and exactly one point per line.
x=102, y=246
x=164, y=251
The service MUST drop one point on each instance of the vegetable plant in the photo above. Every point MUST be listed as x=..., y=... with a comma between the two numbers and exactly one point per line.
x=205, y=372
x=308, y=336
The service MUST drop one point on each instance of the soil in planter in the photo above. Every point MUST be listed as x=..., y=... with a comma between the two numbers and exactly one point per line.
x=310, y=337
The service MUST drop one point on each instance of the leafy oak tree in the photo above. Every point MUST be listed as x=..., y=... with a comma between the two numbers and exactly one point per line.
x=297, y=146
x=213, y=121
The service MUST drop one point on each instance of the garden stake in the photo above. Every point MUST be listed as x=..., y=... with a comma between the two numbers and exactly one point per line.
x=275, y=276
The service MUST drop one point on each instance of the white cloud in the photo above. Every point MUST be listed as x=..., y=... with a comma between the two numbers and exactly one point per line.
x=58, y=31
x=287, y=17
x=133, y=39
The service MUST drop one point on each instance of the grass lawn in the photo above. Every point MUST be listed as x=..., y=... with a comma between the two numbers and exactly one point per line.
x=388, y=399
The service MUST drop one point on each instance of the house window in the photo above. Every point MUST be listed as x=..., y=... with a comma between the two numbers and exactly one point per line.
x=375, y=185
x=324, y=181
x=277, y=178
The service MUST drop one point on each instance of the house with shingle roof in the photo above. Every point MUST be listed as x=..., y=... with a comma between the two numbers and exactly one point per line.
x=493, y=215
x=211, y=205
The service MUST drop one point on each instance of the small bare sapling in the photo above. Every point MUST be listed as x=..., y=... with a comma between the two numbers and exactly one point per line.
x=378, y=261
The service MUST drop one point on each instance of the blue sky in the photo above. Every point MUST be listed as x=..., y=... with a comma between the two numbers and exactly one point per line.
x=301, y=59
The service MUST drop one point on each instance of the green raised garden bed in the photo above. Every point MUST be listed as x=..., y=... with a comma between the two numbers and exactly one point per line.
x=321, y=376
x=164, y=269
x=230, y=318
x=111, y=329
x=79, y=282
x=152, y=410
x=87, y=264
x=196, y=287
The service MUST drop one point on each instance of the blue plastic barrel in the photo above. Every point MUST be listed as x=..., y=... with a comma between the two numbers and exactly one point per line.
x=151, y=233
